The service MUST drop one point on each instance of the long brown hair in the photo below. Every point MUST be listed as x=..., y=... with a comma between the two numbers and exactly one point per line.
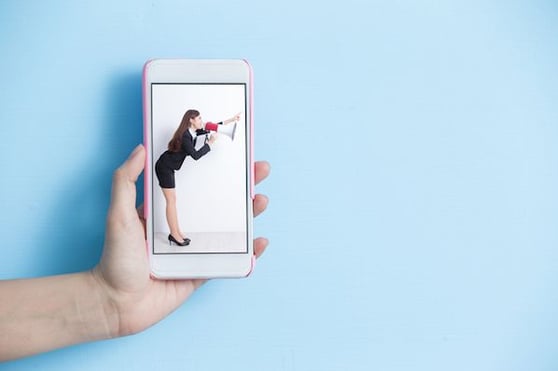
x=176, y=142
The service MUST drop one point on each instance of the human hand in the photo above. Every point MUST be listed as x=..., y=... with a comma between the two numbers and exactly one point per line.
x=135, y=301
x=212, y=138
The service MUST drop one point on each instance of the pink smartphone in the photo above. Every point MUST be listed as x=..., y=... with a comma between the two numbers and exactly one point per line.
x=198, y=133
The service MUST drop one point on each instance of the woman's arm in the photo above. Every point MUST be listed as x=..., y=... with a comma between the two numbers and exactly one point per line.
x=232, y=119
x=188, y=147
x=117, y=298
x=41, y=314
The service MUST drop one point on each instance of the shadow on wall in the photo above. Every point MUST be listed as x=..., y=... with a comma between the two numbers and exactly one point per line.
x=75, y=234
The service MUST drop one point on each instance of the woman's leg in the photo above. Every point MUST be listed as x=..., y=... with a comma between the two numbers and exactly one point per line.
x=172, y=216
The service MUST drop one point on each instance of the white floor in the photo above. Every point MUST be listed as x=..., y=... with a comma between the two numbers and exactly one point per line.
x=203, y=242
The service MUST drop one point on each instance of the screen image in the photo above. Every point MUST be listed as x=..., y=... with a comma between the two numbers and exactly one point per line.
x=199, y=173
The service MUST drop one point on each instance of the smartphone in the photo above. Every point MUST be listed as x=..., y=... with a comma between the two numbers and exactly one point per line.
x=199, y=182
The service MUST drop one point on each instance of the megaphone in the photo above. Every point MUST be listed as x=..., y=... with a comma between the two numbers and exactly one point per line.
x=227, y=130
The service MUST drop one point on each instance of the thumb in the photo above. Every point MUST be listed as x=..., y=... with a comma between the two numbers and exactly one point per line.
x=124, y=181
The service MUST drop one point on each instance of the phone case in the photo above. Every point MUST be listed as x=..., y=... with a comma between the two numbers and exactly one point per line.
x=148, y=175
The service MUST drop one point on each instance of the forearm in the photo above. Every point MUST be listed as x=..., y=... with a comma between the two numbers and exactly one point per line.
x=41, y=314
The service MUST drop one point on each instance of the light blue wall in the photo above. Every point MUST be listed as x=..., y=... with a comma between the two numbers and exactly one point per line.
x=414, y=208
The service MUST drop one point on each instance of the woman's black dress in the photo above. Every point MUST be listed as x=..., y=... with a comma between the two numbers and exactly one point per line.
x=170, y=161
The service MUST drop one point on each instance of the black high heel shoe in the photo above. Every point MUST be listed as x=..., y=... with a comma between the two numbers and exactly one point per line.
x=186, y=241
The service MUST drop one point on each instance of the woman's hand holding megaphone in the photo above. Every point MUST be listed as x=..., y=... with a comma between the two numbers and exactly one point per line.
x=212, y=138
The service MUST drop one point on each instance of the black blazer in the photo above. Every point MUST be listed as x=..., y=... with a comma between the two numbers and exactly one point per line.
x=174, y=160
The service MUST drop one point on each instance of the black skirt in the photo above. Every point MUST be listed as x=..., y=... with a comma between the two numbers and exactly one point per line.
x=165, y=174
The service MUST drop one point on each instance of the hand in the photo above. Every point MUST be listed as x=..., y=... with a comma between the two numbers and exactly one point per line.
x=134, y=300
x=236, y=117
x=212, y=138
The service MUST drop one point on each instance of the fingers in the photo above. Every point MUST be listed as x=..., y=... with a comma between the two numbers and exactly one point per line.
x=262, y=169
x=260, y=204
x=123, y=184
x=259, y=246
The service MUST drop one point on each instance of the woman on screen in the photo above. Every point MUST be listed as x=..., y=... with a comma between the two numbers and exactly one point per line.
x=180, y=146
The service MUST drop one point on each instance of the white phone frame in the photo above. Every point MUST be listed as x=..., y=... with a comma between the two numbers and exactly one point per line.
x=186, y=266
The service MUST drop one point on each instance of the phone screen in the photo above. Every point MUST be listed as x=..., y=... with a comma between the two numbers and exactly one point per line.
x=199, y=185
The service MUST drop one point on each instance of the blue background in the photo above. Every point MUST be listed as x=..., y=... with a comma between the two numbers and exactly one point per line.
x=413, y=192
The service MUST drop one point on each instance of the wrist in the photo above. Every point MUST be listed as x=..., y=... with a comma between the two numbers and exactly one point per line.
x=106, y=324
x=53, y=312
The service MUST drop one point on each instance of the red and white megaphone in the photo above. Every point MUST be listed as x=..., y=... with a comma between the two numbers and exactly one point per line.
x=227, y=130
